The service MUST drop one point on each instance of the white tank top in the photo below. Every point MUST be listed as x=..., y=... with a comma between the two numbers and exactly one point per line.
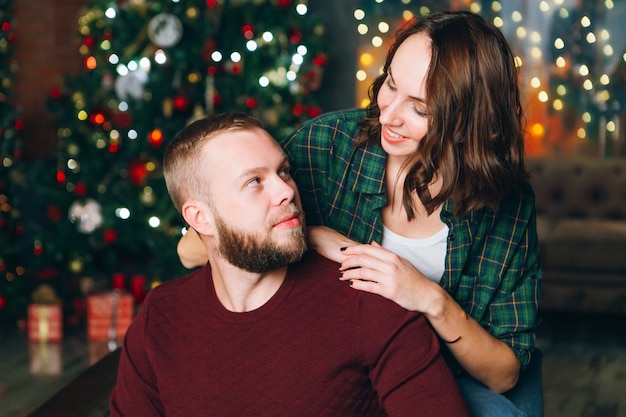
x=428, y=254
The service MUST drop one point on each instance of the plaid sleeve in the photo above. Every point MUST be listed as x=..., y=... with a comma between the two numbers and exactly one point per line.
x=497, y=262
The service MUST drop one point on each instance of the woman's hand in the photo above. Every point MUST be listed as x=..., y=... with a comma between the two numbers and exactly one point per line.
x=375, y=269
x=191, y=250
x=328, y=242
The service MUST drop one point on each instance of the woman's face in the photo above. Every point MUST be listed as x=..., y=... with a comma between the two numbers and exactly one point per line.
x=402, y=98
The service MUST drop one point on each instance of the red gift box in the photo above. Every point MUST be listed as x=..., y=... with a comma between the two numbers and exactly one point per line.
x=109, y=315
x=45, y=323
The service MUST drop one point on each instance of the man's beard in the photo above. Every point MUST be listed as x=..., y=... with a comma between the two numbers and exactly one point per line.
x=255, y=252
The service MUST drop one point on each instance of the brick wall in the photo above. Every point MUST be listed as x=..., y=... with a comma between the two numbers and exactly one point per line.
x=46, y=49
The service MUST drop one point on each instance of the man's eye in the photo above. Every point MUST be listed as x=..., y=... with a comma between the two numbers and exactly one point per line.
x=254, y=182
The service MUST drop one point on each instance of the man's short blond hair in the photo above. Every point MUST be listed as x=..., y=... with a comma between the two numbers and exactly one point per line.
x=182, y=161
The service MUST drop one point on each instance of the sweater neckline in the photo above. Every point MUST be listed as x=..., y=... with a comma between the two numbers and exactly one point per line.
x=232, y=317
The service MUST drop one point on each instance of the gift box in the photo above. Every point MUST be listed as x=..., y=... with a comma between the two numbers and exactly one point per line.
x=109, y=315
x=45, y=323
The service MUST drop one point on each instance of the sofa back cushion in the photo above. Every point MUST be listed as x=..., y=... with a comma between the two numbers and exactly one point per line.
x=579, y=188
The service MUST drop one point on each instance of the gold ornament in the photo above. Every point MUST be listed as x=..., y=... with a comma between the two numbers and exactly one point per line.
x=76, y=265
x=168, y=107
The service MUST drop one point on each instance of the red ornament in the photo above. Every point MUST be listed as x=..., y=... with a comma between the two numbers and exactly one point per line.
x=55, y=93
x=6, y=26
x=298, y=110
x=248, y=31
x=284, y=3
x=54, y=213
x=89, y=41
x=3, y=302
x=138, y=288
x=110, y=235
x=211, y=3
x=212, y=70
x=137, y=173
x=236, y=68
x=118, y=281
x=251, y=102
x=19, y=124
x=61, y=177
x=315, y=111
x=80, y=189
x=181, y=103
x=320, y=60
x=113, y=147
x=295, y=35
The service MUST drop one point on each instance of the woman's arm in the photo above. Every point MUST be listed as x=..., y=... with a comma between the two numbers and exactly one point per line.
x=482, y=355
x=191, y=251
x=328, y=242
x=375, y=269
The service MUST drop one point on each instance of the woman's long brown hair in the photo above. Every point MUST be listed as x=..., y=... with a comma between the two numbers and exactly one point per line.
x=475, y=139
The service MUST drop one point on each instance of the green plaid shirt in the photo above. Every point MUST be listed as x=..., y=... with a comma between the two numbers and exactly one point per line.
x=492, y=265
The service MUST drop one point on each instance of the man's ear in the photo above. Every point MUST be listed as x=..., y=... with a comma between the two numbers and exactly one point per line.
x=198, y=216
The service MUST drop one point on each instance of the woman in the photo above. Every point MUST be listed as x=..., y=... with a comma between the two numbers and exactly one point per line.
x=433, y=175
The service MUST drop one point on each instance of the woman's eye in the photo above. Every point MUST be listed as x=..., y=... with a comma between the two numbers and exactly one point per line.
x=389, y=85
x=420, y=112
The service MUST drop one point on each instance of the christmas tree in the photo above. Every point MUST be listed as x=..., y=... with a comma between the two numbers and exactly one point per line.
x=149, y=68
x=13, y=288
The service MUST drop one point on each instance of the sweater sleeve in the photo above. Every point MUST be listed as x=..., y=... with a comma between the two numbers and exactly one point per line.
x=406, y=366
x=135, y=392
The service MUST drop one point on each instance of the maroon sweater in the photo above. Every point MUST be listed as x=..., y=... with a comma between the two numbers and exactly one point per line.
x=316, y=348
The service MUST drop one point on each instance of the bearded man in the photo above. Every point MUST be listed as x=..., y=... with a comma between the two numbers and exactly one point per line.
x=266, y=328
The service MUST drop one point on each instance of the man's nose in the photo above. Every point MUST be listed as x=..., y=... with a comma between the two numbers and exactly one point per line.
x=285, y=191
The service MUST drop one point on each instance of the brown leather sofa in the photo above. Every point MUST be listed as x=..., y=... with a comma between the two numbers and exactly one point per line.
x=581, y=223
